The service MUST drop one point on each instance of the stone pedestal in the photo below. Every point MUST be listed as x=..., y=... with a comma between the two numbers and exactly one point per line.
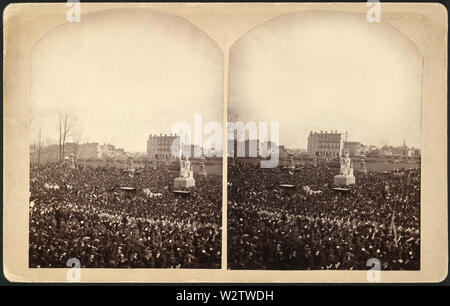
x=344, y=180
x=183, y=183
x=291, y=163
x=72, y=162
x=346, y=176
x=130, y=167
x=202, y=170
x=186, y=178
x=363, y=167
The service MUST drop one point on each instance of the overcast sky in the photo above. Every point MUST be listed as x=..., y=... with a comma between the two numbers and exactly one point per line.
x=125, y=74
x=328, y=71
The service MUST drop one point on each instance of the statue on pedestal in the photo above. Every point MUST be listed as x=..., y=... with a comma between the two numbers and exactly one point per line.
x=291, y=161
x=346, y=176
x=186, y=178
x=363, y=166
x=346, y=166
x=202, y=167
x=185, y=168
x=72, y=161
x=130, y=165
x=191, y=172
x=315, y=161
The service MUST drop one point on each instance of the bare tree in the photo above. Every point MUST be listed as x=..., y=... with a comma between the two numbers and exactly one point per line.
x=65, y=124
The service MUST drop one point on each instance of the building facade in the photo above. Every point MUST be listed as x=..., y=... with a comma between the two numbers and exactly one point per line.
x=120, y=154
x=400, y=151
x=325, y=144
x=253, y=148
x=160, y=146
x=87, y=151
x=108, y=151
x=353, y=148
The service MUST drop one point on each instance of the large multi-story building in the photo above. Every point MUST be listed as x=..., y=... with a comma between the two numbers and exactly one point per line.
x=325, y=144
x=160, y=146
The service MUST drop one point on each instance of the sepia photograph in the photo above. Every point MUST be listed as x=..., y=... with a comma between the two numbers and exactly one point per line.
x=344, y=190
x=113, y=182
x=224, y=143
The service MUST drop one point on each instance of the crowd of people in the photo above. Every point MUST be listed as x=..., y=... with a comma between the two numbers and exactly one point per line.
x=280, y=228
x=277, y=219
x=84, y=213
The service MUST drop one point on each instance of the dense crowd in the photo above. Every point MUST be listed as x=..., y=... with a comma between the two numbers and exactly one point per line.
x=83, y=213
x=278, y=228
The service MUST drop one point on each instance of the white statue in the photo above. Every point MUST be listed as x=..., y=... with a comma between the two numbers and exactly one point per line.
x=346, y=166
x=185, y=168
x=345, y=176
x=186, y=178
x=187, y=165
x=182, y=170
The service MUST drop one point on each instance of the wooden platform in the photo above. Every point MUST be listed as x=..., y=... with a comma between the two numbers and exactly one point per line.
x=289, y=186
x=341, y=189
x=182, y=192
x=126, y=188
